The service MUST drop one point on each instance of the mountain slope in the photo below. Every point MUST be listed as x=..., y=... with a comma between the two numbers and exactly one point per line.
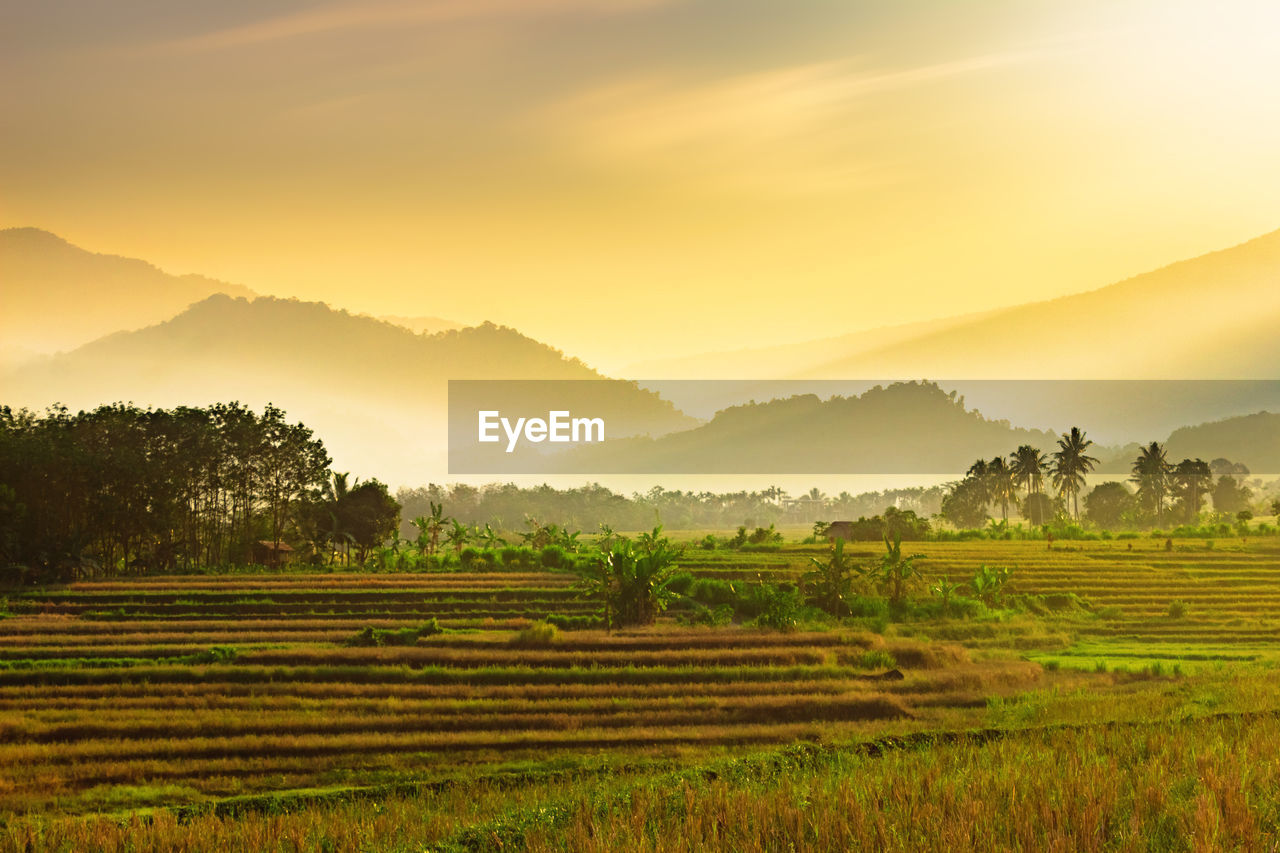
x=58, y=296
x=791, y=360
x=904, y=428
x=1210, y=317
x=375, y=392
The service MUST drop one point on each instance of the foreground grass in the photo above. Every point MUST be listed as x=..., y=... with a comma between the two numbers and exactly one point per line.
x=1194, y=785
x=1207, y=783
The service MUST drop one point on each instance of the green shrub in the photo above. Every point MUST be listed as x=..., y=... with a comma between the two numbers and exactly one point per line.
x=681, y=583
x=699, y=614
x=554, y=557
x=1177, y=609
x=574, y=623
x=217, y=654
x=369, y=636
x=874, y=659
x=779, y=607
x=514, y=557
x=537, y=634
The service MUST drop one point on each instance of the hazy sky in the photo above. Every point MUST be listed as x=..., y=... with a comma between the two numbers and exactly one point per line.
x=637, y=178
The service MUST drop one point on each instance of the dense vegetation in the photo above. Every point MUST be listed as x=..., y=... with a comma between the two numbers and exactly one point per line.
x=1162, y=492
x=121, y=489
x=506, y=506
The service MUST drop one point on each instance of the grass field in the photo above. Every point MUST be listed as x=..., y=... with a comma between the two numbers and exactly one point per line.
x=212, y=711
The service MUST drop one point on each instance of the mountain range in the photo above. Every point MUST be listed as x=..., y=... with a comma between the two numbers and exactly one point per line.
x=58, y=296
x=376, y=388
x=1209, y=317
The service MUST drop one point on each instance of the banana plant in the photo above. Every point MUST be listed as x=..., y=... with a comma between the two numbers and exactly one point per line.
x=490, y=538
x=989, y=583
x=458, y=536
x=896, y=571
x=946, y=590
x=829, y=584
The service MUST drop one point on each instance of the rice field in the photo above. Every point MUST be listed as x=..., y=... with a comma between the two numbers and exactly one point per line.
x=230, y=699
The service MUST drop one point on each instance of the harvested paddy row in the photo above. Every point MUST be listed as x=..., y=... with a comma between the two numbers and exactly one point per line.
x=232, y=702
x=337, y=578
x=206, y=726
x=424, y=658
x=394, y=595
x=475, y=609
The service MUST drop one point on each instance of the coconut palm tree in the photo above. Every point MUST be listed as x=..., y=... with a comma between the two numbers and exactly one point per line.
x=1029, y=465
x=1070, y=465
x=1193, y=479
x=978, y=476
x=1000, y=485
x=1151, y=472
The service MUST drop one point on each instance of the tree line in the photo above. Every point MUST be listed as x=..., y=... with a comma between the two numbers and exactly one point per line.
x=506, y=506
x=1044, y=487
x=121, y=489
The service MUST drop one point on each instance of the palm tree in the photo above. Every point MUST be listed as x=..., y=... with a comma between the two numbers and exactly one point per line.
x=1029, y=465
x=1151, y=472
x=1194, y=479
x=1000, y=485
x=978, y=475
x=1070, y=465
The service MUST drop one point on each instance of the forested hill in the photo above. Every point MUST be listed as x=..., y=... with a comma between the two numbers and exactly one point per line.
x=1253, y=440
x=902, y=428
x=376, y=391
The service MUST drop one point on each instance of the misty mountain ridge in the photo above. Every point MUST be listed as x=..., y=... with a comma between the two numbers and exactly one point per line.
x=374, y=391
x=58, y=296
x=1209, y=317
x=902, y=428
x=422, y=325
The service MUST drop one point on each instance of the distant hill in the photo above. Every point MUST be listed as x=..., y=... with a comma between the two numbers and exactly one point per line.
x=790, y=361
x=1251, y=439
x=373, y=391
x=904, y=428
x=57, y=296
x=1211, y=317
x=901, y=428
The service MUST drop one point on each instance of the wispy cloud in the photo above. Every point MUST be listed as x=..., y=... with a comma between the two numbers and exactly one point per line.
x=347, y=17
x=797, y=126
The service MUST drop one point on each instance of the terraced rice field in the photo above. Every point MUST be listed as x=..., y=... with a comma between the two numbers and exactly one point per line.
x=1230, y=589
x=183, y=690
x=211, y=692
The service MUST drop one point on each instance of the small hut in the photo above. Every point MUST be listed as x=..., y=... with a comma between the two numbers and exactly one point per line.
x=271, y=554
x=840, y=530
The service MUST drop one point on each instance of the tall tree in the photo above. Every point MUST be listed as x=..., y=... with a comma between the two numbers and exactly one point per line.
x=1070, y=465
x=1029, y=465
x=1000, y=485
x=1150, y=474
x=1192, y=479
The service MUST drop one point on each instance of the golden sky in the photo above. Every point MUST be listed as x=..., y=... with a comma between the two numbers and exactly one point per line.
x=631, y=179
